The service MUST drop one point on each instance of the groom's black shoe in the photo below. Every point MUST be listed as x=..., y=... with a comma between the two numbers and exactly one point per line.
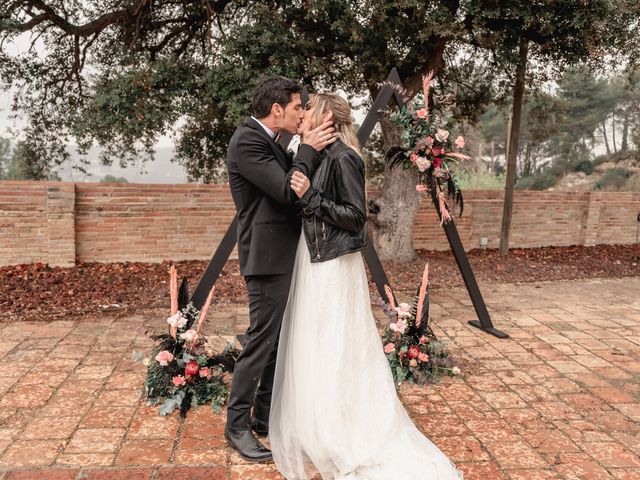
x=247, y=445
x=259, y=427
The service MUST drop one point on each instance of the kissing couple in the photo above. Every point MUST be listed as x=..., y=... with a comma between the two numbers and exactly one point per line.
x=312, y=375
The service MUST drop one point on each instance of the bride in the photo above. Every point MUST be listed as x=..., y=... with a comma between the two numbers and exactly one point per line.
x=334, y=409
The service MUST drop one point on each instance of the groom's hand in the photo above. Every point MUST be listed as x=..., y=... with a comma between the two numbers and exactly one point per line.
x=319, y=137
x=299, y=183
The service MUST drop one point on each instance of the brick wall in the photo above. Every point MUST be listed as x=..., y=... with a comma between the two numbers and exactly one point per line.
x=64, y=223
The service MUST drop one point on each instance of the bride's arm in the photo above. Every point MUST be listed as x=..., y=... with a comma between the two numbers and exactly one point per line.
x=349, y=212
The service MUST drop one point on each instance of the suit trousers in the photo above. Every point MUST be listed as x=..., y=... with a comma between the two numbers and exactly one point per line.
x=253, y=373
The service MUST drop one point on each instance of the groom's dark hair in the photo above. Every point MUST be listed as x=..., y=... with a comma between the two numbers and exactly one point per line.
x=272, y=90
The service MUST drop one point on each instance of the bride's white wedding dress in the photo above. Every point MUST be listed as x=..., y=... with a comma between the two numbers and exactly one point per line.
x=334, y=408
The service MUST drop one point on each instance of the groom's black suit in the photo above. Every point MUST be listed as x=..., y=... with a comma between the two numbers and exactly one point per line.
x=268, y=232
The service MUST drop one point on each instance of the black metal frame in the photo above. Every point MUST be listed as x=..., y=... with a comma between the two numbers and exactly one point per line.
x=383, y=98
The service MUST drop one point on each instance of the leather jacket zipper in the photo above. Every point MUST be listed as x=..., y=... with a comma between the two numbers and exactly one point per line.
x=324, y=231
x=315, y=230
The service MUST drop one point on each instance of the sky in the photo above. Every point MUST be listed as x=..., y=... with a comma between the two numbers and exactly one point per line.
x=161, y=170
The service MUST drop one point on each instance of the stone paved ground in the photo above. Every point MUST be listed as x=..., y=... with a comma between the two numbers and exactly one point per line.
x=559, y=400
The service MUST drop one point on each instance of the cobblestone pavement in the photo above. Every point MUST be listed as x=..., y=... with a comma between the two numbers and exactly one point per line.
x=560, y=399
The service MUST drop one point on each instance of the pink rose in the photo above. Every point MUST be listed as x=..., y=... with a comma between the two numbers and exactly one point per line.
x=413, y=157
x=177, y=320
x=442, y=135
x=164, y=357
x=459, y=141
x=423, y=357
x=423, y=340
x=421, y=188
x=413, y=352
x=435, y=151
x=399, y=327
x=178, y=381
x=422, y=164
x=189, y=336
x=422, y=113
x=437, y=162
x=191, y=369
x=204, y=372
x=413, y=363
x=404, y=310
x=429, y=139
x=389, y=347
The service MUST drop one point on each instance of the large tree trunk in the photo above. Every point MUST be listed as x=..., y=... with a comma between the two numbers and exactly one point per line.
x=512, y=153
x=392, y=214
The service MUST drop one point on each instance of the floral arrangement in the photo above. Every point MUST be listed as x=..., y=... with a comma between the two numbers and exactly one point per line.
x=414, y=353
x=183, y=369
x=426, y=144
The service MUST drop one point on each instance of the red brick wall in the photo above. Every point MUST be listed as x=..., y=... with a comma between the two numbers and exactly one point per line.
x=134, y=222
x=61, y=223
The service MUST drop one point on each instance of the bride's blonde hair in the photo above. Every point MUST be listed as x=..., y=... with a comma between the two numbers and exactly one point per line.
x=342, y=122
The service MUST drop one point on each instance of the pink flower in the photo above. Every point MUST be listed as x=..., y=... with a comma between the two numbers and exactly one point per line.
x=164, y=357
x=177, y=320
x=459, y=141
x=423, y=340
x=389, y=347
x=189, y=336
x=413, y=363
x=423, y=357
x=413, y=352
x=178, y=381
x=435, y=151
x=442, y=135
x=204, y=372
x=403, y=310
x=437, y=162
x=413, y=157
x=399, y=327
x=191, y=369
x=421, y=188
x=422, y=113
x=429, y=139
x=422, y=164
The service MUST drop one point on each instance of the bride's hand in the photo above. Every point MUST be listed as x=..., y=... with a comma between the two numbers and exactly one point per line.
x=299, y=183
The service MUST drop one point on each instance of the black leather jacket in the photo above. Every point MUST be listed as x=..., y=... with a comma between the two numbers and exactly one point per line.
x=333, y=209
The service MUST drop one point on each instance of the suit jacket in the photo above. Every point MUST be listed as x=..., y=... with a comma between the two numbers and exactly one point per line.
x=259, y=177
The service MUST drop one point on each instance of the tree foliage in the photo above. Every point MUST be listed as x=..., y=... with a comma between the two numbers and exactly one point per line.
x=23, y=163
x=120, y=73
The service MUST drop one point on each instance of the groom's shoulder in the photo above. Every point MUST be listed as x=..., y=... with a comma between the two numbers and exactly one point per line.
x=248, y=127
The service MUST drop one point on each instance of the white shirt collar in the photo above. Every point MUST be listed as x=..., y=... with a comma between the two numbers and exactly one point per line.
x=271, y=133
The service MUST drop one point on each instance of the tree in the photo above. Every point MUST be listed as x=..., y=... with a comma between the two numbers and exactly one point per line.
x=5, y=156
x=113, y=179
x=154, y=63
x=26, y=164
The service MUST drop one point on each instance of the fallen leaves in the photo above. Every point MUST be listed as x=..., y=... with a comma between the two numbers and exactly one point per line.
x=38, y=291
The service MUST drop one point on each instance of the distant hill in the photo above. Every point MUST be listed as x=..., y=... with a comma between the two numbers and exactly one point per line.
x=160, y=170
x=619, y=172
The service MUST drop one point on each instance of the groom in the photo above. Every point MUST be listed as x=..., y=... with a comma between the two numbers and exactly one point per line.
x=268, y=231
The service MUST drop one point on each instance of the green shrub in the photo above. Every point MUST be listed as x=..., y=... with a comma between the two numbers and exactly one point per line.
x=618, y=157
x=633, y=183
x=614, y=180
x=585, y=166
x=541, y=181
